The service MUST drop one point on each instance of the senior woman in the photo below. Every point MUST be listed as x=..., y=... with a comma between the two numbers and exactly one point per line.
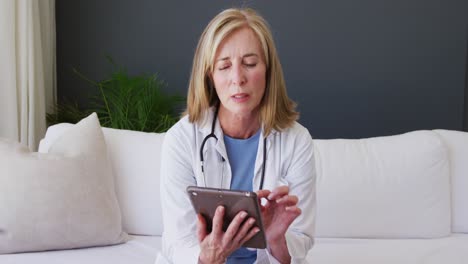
x=241, y=123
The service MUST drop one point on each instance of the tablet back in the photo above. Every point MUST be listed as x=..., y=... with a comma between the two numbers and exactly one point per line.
x=206, y=200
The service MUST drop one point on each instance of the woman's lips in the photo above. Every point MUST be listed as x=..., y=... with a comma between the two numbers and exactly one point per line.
x=240, y=97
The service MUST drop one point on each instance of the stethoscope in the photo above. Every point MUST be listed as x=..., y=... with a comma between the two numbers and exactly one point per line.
x=212, y=135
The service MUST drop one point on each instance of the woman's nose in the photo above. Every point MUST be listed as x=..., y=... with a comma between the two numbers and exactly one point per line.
x=237, y=75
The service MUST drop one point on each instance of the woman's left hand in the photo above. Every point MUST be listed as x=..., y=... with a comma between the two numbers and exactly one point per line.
x=278, y=213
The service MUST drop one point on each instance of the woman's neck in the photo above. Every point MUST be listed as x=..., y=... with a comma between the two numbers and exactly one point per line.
x=238, y=126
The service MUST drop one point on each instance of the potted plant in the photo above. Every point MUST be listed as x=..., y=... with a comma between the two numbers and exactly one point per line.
x=124, y=102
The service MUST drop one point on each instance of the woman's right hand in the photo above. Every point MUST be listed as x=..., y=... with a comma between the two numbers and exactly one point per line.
x=216, y=246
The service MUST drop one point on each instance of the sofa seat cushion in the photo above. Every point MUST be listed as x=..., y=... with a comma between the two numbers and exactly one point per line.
x=139, y=249
x=452, y=249
x=143, y=250
x=383, y=187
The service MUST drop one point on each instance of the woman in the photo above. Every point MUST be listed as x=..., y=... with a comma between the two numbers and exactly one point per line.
x=241, y=123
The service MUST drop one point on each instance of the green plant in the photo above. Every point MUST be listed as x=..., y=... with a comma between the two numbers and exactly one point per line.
x=66, y=112
x=125, y=102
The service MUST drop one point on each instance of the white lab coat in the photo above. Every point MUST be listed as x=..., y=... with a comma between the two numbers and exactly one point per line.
x=289, y=161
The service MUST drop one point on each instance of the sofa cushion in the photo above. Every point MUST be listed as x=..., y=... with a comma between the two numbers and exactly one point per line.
x=457, y=143
x=135, y=158
x=448, y=250
x=383, y=187
x=61, y=200
x=138, y=250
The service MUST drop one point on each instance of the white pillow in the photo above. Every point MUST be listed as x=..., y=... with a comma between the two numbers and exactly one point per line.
x=135, y=158
x=457, y=143
x=384, y=187
x=65, y=199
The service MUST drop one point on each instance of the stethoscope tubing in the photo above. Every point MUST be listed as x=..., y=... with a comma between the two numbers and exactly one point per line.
x=212, y=135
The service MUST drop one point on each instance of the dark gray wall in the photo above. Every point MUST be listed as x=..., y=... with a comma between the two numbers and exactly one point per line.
x=465, y=123
x=356, y=68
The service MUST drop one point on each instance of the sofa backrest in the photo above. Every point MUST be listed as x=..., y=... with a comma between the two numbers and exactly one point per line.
x=457, y=144
x=135, y=158
x=396, y=186
x=383, y=187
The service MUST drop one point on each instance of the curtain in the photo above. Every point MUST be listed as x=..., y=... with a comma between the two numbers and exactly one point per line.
x=27, y=70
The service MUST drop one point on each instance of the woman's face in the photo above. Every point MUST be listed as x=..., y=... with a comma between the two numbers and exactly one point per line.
x=239, y=73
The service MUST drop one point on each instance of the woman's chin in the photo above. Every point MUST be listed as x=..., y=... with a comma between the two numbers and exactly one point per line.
x=242, y=110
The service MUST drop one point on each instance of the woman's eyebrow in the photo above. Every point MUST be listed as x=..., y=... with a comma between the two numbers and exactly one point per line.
x=222, y=59
x=250, y=55
x=245, y=56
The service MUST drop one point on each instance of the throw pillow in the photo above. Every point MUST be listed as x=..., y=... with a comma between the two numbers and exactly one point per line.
x=60, y=200
x=135, y=158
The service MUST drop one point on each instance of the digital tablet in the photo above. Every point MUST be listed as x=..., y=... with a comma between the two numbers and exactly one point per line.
x=206, y=200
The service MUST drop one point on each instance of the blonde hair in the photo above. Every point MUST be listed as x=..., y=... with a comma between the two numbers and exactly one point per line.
x=277, y=111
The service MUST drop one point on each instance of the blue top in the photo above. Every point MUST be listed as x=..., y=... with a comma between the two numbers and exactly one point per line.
x=242, y=154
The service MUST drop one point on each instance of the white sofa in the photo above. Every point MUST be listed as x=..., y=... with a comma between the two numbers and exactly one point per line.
x=395, y=199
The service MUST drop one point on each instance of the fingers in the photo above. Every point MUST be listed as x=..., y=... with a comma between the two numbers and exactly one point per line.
x=240, y=230
x=280, y=195
x=235, y=224
x=288, y=200
x=278, y=192
x=250, y=234
x=263, y=193
x=218, y=221
x=294, y=210
x=244, y=231
x=201, y=228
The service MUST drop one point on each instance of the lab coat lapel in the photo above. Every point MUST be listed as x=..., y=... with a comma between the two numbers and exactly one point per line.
x=259, y=159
